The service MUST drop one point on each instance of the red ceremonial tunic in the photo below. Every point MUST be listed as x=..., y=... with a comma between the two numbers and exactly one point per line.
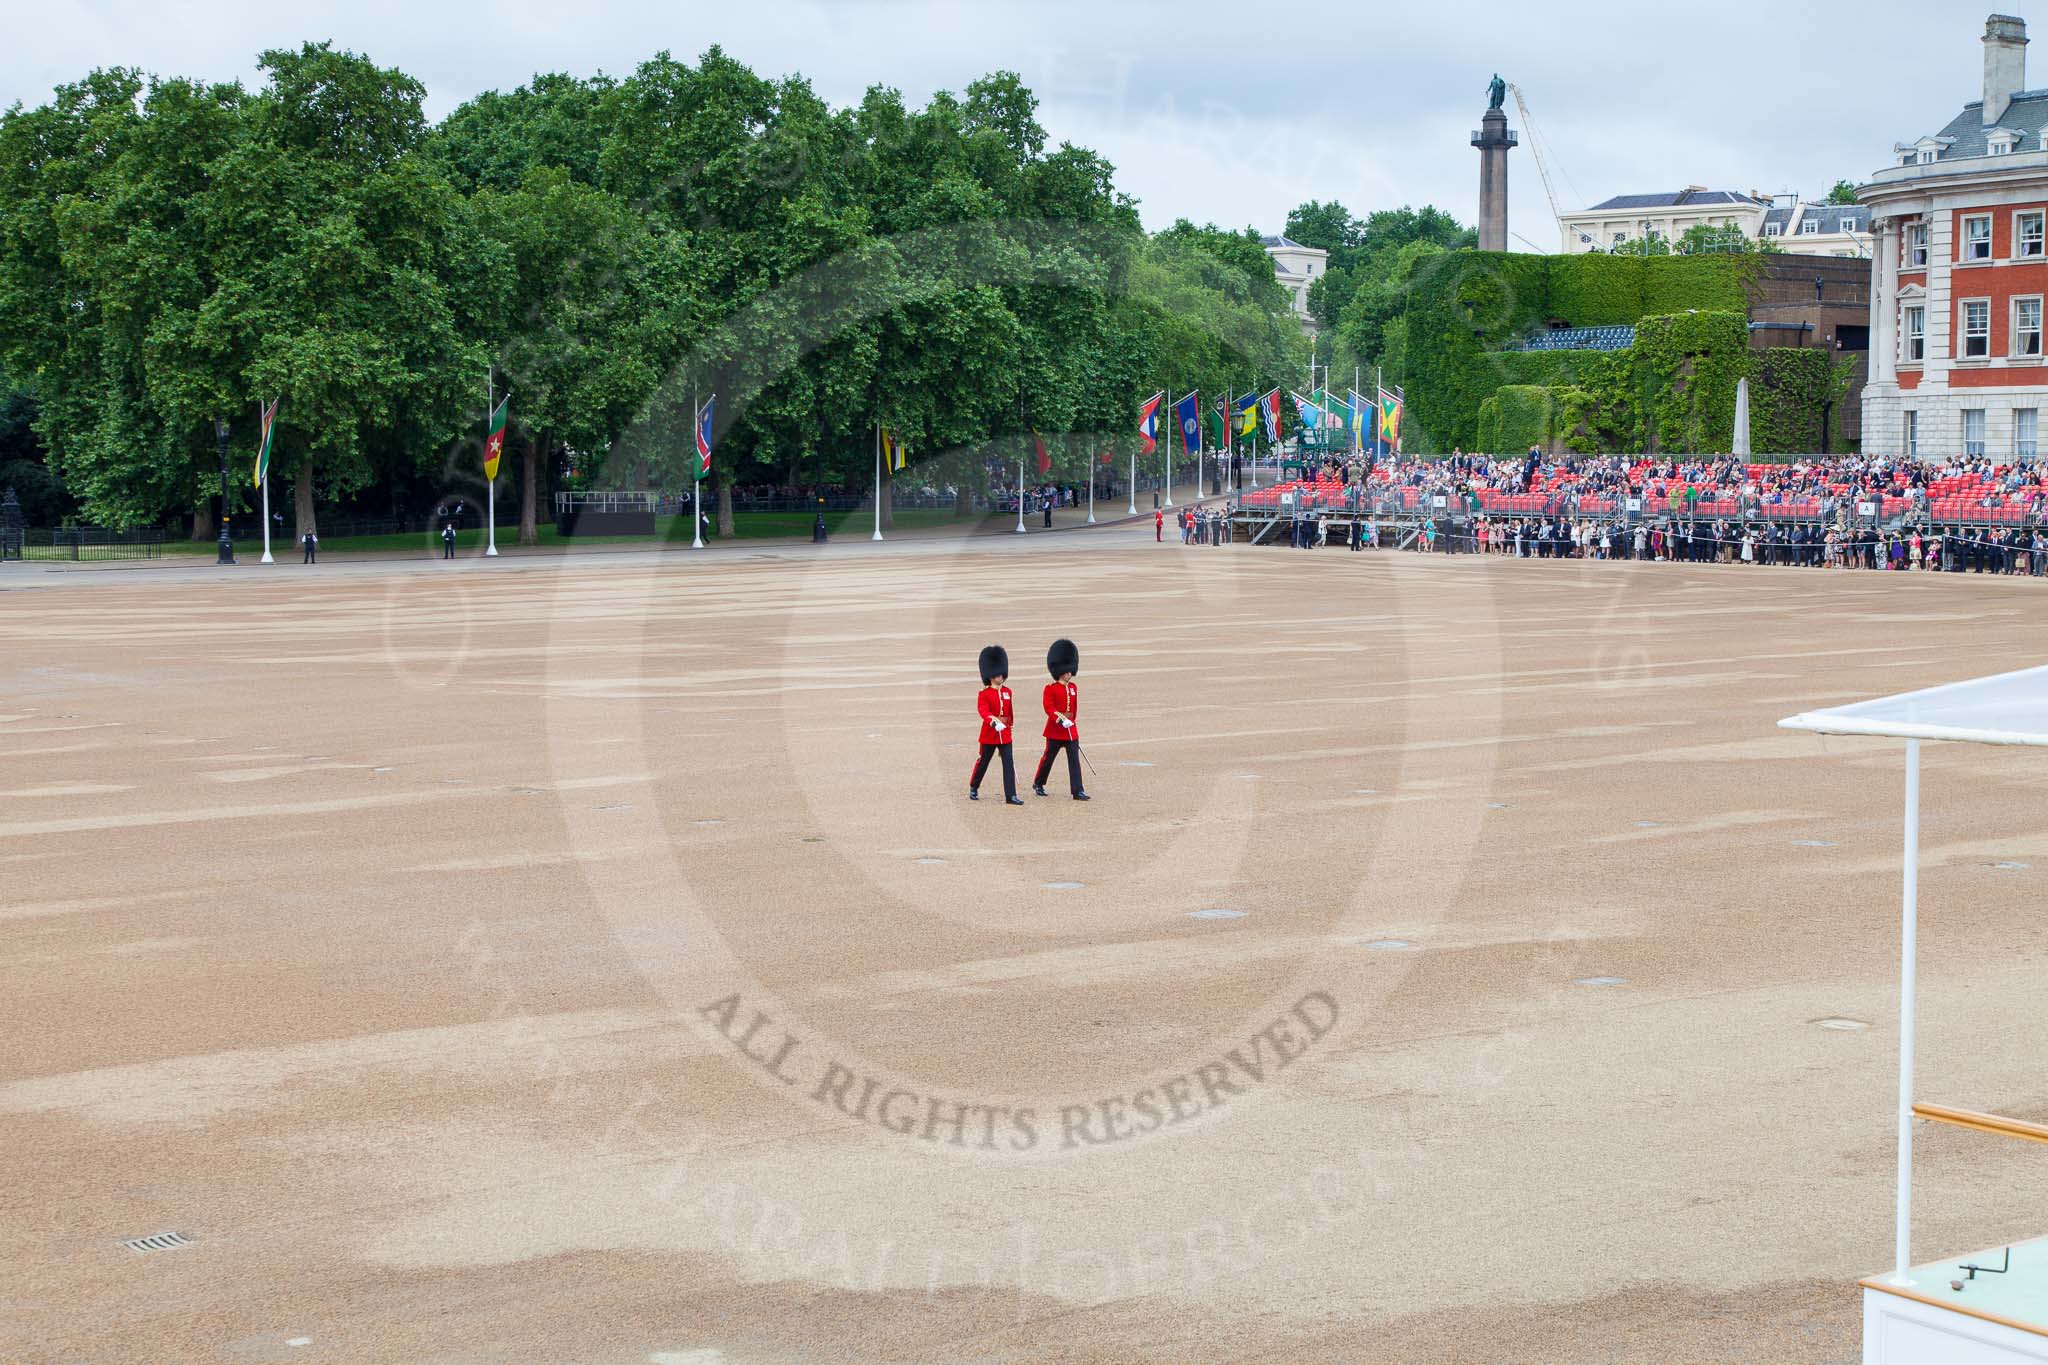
x=994, y=705
x=1062, y=697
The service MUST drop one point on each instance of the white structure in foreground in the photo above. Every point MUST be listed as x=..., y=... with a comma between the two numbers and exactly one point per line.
x=1945, y=1312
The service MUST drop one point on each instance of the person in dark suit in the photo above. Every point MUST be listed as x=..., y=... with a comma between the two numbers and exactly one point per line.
x=310, y=543
x=448, y=540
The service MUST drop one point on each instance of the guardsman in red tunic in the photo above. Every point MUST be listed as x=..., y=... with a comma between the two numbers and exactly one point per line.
x=998, y=724
x=1062, y=701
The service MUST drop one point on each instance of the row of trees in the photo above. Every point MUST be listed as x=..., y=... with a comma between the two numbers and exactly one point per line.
x=611, y=249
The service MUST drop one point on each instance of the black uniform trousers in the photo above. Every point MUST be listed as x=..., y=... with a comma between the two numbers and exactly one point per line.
x=1052, y=747
x=989, y=751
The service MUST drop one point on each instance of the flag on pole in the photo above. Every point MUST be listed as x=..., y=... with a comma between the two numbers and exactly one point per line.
x=1269, y=408
x=1187, y=412
x=1362, y=415
x=894, y=455
x=1247, y=414
x=494, y=440
x=704, y=437
x=1219, y=425
x=1390, y=421
x=263, y=444
x=1148, y=422
x=1044, y=456
x=1310, y=415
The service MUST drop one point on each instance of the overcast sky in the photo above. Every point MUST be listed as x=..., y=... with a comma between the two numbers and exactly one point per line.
x=1232, y=113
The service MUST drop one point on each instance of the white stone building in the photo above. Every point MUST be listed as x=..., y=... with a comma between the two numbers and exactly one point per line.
x=1959, y=273
x=1807, y=229
x=1296, y=267
x=1632, y=217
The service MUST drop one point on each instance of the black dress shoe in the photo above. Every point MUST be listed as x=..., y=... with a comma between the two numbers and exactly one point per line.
x=973, y=795
x=1015, y=800
x=1083, y=796
x=1038, y=789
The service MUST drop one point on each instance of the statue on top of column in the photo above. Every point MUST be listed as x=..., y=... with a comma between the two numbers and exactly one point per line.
x=1496, y=92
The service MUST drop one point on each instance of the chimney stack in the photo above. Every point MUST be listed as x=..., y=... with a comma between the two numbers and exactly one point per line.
x=2005, y=64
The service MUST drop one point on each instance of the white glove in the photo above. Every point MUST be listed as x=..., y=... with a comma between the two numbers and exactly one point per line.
x=998, y=726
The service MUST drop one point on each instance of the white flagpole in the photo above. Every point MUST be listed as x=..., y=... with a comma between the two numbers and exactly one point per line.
x=878, y=483
x=491, y=501
x=1134, y=483
x=1091, y=493
x=696, y=462
x=1166, y=449
x=260, y=434
x=1020, y=495
x=1198, y=445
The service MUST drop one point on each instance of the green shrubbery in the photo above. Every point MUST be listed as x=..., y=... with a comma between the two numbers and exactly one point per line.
x=1673, y=390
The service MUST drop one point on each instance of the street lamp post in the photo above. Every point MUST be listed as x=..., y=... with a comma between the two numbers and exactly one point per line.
x=227, y=542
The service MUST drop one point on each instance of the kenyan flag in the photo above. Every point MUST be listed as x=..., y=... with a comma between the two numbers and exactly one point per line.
x=494, y=442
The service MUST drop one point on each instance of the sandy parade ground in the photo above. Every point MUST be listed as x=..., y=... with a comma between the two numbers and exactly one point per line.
x=595, y=958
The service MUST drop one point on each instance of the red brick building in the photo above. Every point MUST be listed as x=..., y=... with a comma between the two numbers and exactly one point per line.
x=1959, y=273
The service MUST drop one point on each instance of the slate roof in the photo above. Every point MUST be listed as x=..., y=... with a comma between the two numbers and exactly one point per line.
x=1833, y=217
x=1672, y=199
x=1277, y=243
x=2026, y=115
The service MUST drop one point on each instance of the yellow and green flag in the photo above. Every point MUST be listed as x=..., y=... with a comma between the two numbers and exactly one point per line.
x=263, y=446
x=494, y=441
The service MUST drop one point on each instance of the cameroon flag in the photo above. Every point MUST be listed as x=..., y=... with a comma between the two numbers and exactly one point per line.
x=494, y=442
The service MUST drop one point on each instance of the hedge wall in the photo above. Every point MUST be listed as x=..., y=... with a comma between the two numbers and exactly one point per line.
x=1516, y=417
x=1464, y=306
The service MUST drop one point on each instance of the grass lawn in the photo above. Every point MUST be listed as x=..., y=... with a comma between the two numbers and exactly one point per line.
x=746, y=526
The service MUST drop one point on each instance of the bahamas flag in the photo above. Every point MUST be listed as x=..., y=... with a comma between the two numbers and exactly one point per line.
x=1365, y=415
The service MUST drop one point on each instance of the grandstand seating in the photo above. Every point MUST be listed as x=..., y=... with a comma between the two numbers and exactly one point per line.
x=1581, y=339
x=1973, y=498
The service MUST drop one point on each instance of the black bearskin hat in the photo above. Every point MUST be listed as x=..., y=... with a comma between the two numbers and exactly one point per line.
x=1063, y=657
x=995, y=663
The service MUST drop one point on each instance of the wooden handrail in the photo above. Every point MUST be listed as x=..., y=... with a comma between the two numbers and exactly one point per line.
x=1983, y=1123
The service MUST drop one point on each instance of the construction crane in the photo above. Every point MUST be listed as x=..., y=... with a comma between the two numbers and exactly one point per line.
x=1536, y=141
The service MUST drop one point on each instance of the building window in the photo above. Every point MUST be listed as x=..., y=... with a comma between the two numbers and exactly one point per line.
x=1774, y=229
x=2026, y=327
x=2026, y=432
x=2026, y=233
x=1916, y=334
x=1810, y=225
x=1926, y=158
x=1620, y=237
x=1916, y=244
x=1977, y=237
x=1976, y=328
x=1912, y=434
x=1973, y=432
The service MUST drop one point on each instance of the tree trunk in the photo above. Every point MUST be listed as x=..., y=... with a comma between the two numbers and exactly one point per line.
x=888, y=496
x=202, y=522
x=529, y=491
x=302, y=499
x=725, y=531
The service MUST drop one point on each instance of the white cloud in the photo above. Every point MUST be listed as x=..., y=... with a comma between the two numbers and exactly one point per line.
x=1211, y=112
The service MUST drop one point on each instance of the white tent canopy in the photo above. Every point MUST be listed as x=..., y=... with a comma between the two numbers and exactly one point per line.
x=2006, y=708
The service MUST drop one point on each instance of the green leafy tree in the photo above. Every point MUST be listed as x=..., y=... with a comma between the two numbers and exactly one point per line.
x=1844, y=192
